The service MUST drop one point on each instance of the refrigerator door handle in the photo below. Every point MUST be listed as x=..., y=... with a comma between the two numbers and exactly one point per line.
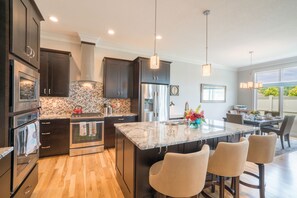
x=155, y=103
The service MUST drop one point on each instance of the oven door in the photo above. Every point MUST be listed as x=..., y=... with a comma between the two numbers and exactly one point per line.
x=25, y=90
x=84, y=134
x=26, y=151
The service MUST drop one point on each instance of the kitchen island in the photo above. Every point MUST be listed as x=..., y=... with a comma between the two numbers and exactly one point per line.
x=139, y=145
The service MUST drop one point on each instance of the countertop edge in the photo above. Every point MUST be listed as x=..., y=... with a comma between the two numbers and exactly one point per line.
x=5, y=151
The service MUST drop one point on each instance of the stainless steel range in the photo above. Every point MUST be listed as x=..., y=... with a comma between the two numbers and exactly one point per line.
x=86, y=133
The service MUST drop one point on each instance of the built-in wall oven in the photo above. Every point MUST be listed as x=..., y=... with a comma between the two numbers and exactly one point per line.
x=25, y=140
x=24, y=87
x=86, y=134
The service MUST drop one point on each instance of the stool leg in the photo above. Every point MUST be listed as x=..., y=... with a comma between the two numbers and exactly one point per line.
x=262, y=180
x=236, y=187
x=222, y=187
x=213, y=186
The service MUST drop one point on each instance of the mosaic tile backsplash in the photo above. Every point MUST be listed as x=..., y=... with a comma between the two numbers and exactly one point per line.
x=91, y=99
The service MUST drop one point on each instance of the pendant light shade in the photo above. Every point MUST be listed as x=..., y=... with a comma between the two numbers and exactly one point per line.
x=206, y=68
x=155, y=60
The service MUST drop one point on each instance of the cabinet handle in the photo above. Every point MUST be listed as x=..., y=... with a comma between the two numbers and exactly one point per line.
x=44, y=91
x=33, y=55
x=46, y=123
x=30, y=51
x=49, y=91
x=157, y=77
x=154, y=78
x=121, y=119
x=45, y=133
x=46, y=147
x=27, y=190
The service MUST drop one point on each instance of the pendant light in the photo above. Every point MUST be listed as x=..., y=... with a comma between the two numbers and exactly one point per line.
x=155, y=60
x=206, y=68
x=250, y=84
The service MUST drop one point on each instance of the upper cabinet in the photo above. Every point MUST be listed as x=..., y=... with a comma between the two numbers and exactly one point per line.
x=117, y=78
x=155, y=76
x=54, y=73
x=25, y=31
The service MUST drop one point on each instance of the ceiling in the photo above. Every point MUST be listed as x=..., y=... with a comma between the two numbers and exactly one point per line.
x=268, y=27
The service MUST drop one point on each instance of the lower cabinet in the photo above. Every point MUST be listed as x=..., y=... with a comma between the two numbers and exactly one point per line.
x=5, y=175
x=54, y=137
x=109, y=129
x=27, y=188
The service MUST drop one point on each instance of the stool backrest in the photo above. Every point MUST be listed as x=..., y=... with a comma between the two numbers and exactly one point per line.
x=235, y=118
x=183, y=175
x=229, y=158
x=262, y=148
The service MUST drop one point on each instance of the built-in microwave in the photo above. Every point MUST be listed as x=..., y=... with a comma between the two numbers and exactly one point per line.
x=25, y=87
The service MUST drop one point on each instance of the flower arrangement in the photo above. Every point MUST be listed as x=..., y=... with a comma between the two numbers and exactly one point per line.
x=195, y=117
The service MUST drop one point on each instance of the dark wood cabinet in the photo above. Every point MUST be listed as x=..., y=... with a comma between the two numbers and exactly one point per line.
x=54, y=137
x=25, y=31
x=118, y=78
x=54, y=73
x=155, y=76
x=5, y=174
x=109, y=129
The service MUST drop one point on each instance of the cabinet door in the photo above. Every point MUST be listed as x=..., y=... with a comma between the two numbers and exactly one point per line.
x=58, y=77
x=162, y=75
x=125, y=79
x=120, y=152
x=147, y=74
x=34, y=38
x=111, y=79
x=19, y=32
x=43, y=73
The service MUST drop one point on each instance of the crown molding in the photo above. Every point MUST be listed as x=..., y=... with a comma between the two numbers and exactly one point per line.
x=77, y=38
x=285, y=62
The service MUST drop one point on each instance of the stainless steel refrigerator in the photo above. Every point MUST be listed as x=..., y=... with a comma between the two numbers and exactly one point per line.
x=154, y=102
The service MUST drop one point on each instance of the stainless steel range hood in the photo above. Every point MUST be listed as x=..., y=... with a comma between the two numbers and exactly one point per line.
x=87, y=62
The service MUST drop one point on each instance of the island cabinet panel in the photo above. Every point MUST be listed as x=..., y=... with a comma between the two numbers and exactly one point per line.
x=109, y=129
x=54, y=73
x=118, y=78
x=5, y=174
x=154, y=76
x=25, y=31
x=54, y=137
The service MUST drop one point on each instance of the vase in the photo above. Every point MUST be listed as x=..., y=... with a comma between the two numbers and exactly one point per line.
x=195, y=124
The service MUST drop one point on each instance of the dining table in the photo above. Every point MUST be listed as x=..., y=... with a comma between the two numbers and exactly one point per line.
x=262, y=122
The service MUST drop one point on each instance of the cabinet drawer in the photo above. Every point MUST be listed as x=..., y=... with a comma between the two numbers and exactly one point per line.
x=113, y=120
x=5, y=185
x=29, y=184
x=5, y=164
x=51, y=148
x=53, y=125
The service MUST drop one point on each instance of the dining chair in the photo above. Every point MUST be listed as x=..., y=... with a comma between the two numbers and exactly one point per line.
x=180, y=175
x=273, y=113
x=234, y=118
x=283, y=131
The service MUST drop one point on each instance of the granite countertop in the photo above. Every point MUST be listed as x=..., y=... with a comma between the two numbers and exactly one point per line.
x=53, y=117
x=5, y=151
x=148, y=135
x=66, y=116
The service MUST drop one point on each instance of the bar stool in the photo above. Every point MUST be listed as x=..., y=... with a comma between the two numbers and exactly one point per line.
x=228, y=160
x=261, y=151
x=180, y=175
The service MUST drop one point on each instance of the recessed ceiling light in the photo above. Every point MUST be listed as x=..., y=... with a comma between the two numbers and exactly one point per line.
x=54, y=19
x=111, y=32
x=159, y=37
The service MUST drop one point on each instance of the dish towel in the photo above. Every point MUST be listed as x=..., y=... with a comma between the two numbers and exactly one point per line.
x=92, y=129
x=32, y=139
x=82, y=129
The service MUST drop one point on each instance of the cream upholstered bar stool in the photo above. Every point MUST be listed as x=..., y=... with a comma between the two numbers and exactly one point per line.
x=228, y=160
x=180, y=175
x=261, y=151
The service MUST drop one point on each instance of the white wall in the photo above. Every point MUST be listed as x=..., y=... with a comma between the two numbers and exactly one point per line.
x=186, y=75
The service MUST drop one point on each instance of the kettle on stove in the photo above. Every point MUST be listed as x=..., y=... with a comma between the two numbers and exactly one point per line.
x=77, y=109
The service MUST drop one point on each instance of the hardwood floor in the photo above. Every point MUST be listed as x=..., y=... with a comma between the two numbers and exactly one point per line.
x=93, y=175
